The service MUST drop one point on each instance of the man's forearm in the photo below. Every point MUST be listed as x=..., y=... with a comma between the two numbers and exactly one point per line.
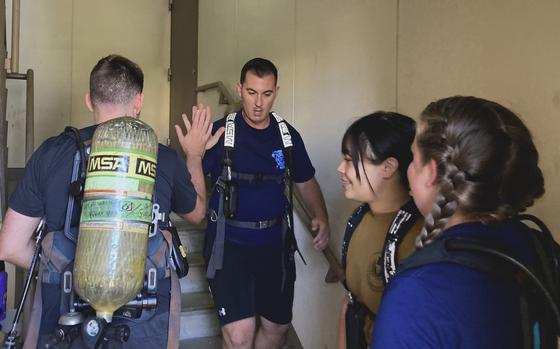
x=313, y=197
x=16, y=238
x=194, y=166
x=20, y=258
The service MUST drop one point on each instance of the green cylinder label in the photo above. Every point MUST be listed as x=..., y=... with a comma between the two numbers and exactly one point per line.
x=118, y=209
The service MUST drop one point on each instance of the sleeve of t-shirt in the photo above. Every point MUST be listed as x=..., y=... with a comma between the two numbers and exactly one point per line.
x=184, y=195
x=27, y=197
x=302, y=170
x=409, y=316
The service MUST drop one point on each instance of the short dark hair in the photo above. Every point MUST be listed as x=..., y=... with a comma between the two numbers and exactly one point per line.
x=260, y=67
x=115, y=80
x=379, y=136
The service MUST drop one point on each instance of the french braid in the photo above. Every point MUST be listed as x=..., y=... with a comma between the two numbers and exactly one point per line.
x=487, y=163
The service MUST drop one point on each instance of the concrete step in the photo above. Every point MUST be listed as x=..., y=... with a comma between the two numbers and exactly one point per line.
x=195, y=259
x=199, y=324
x=196, y=301
x=202, y=343
x=215, y=342
x=193, y=239
x=195, y=281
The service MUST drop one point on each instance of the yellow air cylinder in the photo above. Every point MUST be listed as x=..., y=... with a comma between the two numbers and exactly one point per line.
x=116, y=214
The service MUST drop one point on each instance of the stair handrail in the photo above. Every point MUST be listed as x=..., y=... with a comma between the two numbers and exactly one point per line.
x=225, y=96
x=335, y=272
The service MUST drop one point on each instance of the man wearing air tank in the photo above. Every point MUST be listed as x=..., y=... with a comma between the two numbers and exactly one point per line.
x=250, y=241
x=115, y=91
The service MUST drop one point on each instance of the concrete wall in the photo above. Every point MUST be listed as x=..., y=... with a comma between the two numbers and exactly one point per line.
x=506, y=50
x=339, y=60
x=62, y=40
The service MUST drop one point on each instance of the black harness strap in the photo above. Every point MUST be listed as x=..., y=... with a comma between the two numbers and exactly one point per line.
x=251, y=177
x=401, y=225
x=254, y=225
x=403, y=221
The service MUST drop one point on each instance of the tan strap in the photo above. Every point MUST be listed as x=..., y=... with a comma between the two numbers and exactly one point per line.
x=174, y=325
x=174, y=303
x=32, y=332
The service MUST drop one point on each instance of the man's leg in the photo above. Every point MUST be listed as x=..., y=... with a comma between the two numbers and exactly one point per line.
x=270, y=335
x=239, y=334
x=233, y=292
x=274, y=299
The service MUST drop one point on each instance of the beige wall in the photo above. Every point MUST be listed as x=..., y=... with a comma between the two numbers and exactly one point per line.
x=506, y=50
x=62, y=40
x=339, y=60
x=136, y=29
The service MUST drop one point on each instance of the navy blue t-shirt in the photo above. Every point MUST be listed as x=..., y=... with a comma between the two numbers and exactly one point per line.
x=257, y=152
x=448, y=305
x=43, y=189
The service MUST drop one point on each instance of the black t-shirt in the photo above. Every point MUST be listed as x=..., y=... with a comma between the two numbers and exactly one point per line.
x=43, y=189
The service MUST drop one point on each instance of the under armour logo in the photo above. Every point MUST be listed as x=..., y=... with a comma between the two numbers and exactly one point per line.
x=222, y=312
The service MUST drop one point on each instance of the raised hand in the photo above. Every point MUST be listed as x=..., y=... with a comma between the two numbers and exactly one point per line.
x=199, y=136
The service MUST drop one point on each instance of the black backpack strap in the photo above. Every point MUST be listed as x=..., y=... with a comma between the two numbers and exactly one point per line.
x=483, y=256
x=548, y=253
x=399, y=228
x=351, y=225
x=77, y=180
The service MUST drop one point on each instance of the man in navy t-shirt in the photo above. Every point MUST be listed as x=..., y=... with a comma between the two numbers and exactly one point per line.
x=116, y=86
x=254, y=278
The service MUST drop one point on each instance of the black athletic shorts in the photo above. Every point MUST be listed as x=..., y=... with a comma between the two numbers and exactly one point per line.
x=249, y=284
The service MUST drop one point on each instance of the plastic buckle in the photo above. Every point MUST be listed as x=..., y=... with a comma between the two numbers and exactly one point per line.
x=156, y=216
x=152, y=279
x=67, y=282
x=263, y=224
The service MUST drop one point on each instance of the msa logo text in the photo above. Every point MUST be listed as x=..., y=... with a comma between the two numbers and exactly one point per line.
x=146, y=168
x=112, y=163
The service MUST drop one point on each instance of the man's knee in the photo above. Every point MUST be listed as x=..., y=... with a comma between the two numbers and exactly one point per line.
x=270, y=328
x=239, y=334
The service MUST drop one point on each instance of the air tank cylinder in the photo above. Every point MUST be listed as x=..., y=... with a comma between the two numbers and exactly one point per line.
x=116, y=214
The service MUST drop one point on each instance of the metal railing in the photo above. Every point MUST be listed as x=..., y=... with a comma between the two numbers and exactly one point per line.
x=225, y=96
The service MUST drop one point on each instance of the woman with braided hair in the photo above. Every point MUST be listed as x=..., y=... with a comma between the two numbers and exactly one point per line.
x=376, y=154
x=475, y=168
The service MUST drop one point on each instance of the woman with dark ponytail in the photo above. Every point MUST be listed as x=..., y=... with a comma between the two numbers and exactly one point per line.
x=382, y=231
x=475, y=168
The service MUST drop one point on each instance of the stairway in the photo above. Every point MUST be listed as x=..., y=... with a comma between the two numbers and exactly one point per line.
x=200, y=328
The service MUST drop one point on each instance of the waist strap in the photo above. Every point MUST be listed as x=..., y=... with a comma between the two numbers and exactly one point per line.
x=258, y=225
x=257, y=177
x=254, y=225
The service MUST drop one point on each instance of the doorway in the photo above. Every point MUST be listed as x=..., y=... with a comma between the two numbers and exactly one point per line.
x=183, y=68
